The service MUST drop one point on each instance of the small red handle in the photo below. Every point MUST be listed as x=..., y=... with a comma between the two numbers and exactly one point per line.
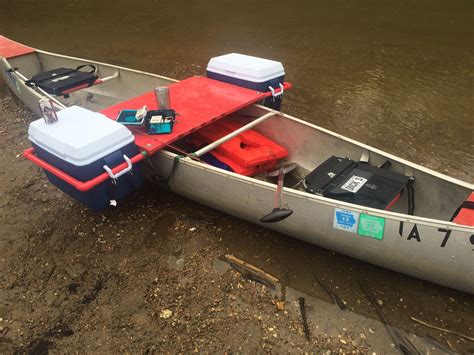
x=79, y=185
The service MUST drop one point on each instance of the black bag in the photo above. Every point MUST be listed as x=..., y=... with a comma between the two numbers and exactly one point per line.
x=59, y=81
x=356, y=182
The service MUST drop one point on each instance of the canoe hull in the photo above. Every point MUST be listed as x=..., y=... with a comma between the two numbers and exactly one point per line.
x=418, y=247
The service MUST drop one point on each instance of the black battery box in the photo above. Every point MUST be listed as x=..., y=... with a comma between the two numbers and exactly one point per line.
x=60, y=81
x=356, y=182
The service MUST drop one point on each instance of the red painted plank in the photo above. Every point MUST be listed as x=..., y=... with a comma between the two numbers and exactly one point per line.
x=10, y=49
x=198, y=102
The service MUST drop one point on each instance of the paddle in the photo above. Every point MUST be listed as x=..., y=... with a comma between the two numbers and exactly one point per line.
x=278, y=213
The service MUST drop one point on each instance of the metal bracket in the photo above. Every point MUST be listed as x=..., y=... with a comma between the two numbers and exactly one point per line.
x=365, y=156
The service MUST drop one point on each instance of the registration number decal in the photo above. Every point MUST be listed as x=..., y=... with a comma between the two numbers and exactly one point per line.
x=346, y=220
x=371, y=226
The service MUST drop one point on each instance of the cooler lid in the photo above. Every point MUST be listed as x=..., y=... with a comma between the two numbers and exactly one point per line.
x=246, y=67
x=80, y=136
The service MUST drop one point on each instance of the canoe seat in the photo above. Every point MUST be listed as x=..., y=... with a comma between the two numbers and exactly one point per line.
x=359, y=183
x=465, y=213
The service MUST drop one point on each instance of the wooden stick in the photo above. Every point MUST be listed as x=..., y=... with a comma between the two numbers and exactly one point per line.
x=303, y=317
x=399, y=340
x=252, y=272
x=442, y=329
x=335, y=298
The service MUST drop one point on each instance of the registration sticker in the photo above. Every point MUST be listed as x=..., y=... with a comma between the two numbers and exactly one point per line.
x=371, y=226
x=346, y=220
x=354, y=183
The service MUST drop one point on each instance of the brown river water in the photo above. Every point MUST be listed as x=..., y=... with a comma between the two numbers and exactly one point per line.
x=397, y=75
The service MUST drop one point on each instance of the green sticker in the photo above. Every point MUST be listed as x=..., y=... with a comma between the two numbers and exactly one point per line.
x=371, y=226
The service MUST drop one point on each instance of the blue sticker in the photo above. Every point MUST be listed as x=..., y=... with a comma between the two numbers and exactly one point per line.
x=346, y=220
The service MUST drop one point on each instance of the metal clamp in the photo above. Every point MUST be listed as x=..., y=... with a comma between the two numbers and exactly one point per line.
x=120, y=173
x=276, y=94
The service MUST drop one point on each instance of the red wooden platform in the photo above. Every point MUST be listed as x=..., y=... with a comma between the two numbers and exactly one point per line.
x=10, y=49
x=198, y=101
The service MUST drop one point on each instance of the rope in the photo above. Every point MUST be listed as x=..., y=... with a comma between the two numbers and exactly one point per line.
x=173, y=168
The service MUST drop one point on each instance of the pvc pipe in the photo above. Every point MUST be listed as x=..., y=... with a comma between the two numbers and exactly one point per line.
x=79, y=185
x=107, y=78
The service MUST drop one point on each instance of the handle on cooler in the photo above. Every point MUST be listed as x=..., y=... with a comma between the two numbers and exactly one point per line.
x=118, y=171
x=275, y=93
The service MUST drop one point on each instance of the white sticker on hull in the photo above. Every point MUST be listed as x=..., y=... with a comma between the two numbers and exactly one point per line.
x=346, y=220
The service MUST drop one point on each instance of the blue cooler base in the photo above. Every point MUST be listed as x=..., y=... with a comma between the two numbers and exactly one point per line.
x=99, y=197
x=271, y=102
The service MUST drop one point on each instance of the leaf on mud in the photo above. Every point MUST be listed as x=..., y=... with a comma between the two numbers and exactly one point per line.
x=280, y=305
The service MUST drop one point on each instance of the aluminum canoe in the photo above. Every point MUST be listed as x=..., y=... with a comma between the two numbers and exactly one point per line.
x=425, y=245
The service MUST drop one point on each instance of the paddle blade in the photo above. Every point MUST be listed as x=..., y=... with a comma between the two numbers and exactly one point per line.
x=276, y=215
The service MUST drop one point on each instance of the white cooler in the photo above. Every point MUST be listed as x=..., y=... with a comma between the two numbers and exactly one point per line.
x=250, y=72
x=85, y=144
